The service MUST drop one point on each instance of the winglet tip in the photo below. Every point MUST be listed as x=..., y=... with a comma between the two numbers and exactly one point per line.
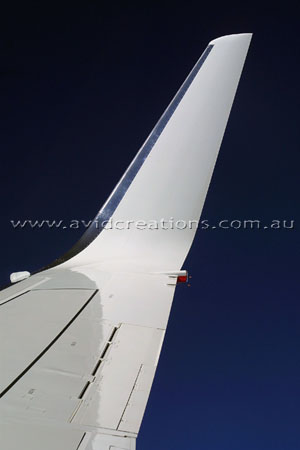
x=232, y=37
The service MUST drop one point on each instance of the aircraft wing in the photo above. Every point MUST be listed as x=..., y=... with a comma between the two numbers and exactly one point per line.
x=80, y=339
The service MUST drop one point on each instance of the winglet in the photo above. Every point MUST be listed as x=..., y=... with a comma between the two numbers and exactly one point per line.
x=170, y=176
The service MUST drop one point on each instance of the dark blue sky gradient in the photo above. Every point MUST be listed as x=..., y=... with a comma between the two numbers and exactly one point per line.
x=81, y=88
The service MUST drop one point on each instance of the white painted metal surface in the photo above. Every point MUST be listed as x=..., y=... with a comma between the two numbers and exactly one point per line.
x=29, y=322
x=80, y=341
x=106, y=400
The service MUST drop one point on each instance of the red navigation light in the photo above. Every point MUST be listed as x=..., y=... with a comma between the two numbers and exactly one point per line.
x=182, y=278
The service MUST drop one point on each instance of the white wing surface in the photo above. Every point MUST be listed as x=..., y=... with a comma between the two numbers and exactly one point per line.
x=80, y=340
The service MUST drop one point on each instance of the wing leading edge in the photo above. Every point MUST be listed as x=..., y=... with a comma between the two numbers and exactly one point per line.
x=78, y=372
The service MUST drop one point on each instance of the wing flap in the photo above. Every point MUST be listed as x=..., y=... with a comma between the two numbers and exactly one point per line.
x=95, y=361
x=120, y=373
x=136, y=405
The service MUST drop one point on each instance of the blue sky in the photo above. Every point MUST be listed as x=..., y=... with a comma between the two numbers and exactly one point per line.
x=81, y=88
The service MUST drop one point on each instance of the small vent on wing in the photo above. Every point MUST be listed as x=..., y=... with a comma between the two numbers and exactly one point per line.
x=84, y=390
x=104, y=352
